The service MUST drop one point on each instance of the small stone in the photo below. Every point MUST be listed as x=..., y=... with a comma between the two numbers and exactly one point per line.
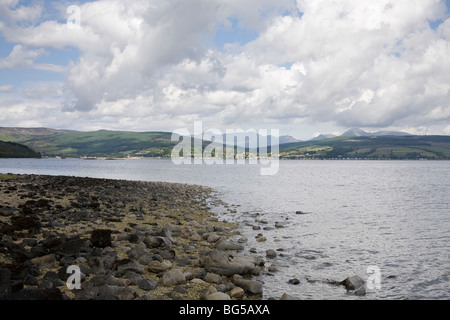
x=361, y=292
x=286, y=296
x=279, y=225
x=156, y=267
x=218, y=296
x=124, y=293
x=130, y=265
x=212, y=278
x=271, y=254
x=198, y=281
x=237, y=292
x=146, y=285
x=45, y=262
x=173, y=277
x=272, y=269
x=213, y=237
x=294, y=281
x=180, y=289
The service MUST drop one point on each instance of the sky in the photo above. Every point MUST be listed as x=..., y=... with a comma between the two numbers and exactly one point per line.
x=303, y=67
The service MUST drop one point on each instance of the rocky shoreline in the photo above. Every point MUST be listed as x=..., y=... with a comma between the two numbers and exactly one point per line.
x=129, y=240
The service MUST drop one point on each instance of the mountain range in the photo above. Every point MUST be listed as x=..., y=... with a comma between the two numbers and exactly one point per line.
x=356, y=132
x=353, y=144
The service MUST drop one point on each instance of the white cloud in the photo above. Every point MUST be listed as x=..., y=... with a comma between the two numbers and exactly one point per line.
x=6, y=88
x=348, y=62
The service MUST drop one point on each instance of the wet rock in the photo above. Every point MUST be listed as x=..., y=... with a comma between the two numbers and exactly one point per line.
x=243, y=239
x=251, y=286
x=227, y=264
x=228, y=245
x=271, y=254
x=272, y=269
x=279, y=225
x=294, y=281
x=361, y=291
x=353, y=283
x=286, y=296
x=213, y=237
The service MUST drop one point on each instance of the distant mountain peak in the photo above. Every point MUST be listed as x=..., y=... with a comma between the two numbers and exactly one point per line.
x=323, y=137
x=356, y=132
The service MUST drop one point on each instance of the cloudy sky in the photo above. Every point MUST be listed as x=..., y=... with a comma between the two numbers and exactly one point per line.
x=303, y=67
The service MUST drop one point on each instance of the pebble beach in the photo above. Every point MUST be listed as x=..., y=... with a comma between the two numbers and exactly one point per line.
x=130, y=240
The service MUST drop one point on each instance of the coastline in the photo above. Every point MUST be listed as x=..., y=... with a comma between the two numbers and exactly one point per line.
x=131, y=240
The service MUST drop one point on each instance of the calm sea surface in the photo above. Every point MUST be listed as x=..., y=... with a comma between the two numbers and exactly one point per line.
x=391, y=216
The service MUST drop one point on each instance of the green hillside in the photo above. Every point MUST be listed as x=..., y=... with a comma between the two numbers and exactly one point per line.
x=101, y=143
x=121, y=144
x=15, y=150
x=383, y=147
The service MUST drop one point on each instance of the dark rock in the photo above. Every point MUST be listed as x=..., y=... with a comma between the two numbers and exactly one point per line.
x=271, y=254
x=180, y=289
x=17, y=252
x=30, y=223
x=147, y=285
x=26, y=294
x=353, y=283
x=5, y=278
x=99, y=280
x=45, y=262
x=294, y=281
x=72, y=247
x=132, y=277
x=38, y=251
x=124, y=293
x=250, y=286
x=101, y=238
x=158, y=242
x=7, y=212
x=129, y=265
x=53, y=277
x=168, y=254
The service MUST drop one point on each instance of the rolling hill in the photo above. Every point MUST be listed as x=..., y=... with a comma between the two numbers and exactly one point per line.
x=121, y=144
x=371, y=147
x=103, y=143
x=16, y=150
